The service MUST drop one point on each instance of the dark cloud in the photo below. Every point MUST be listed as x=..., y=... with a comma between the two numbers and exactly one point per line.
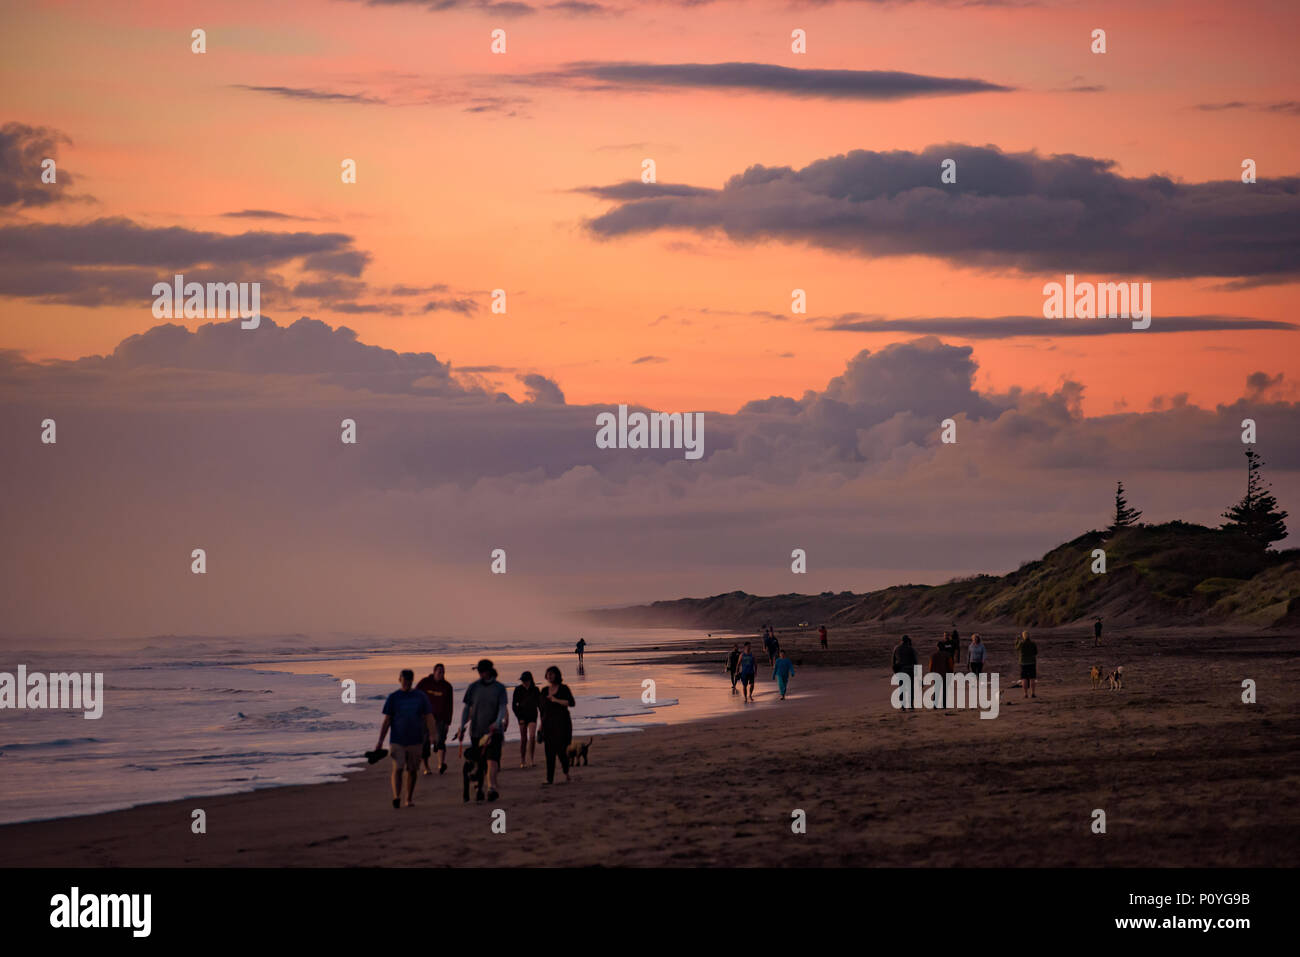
x=115, y=260
x=1033, y=213
x=541, y=390
x=306, y=93
x=22, y=150
x=648, y=359
x=758, y=77
x=1257, y=383
x=1007, y=327
x=1289, y=107
x=466, y=307
x=500, y=8
x=635, y=189
x=579, y=8
x=264, y=214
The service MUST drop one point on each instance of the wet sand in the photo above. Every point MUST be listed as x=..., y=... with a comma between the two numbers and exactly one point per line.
x=1186, y=774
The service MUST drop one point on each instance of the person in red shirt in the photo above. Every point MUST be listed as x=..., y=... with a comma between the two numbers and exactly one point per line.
x=821, y=633
x=440, y=695
x=941, y=665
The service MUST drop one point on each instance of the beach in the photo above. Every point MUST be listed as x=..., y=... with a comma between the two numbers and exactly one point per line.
x=1186, y=774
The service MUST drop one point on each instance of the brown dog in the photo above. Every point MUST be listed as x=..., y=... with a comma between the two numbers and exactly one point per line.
x=1095, y=674
x=1116, y=679
x=578, y=751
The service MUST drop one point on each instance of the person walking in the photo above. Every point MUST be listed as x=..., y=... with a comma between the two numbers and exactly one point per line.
x=821, y=633
x=441, y=697
x=782, y=671
x=904, y=661
x=747, y=669
x=1027, y=653
x=557, y=724
x=941, y=665
x=733, y=665
x=975, y=655
x=1096, y=633
x=406, y=714
x=524, y=704
x=487, y=715
x=580, y=649
x=955, y=644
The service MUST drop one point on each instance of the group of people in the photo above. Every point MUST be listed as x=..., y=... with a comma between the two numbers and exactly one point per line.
x=742, y=668
x=947, y=654
x=417, y=718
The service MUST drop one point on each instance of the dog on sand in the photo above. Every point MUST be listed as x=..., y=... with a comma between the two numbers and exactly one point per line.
x=1095, y=675
x=578, y=752
x=1116, y=679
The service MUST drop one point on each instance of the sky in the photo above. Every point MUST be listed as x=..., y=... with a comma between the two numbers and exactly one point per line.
x=522, y=171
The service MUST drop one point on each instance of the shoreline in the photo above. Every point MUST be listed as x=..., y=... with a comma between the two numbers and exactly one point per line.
x=1187, y=775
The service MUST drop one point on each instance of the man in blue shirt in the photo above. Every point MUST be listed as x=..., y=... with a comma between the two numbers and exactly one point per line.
x=408, y=715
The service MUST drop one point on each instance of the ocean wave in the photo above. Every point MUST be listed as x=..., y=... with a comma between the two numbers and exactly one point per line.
x=56, y=743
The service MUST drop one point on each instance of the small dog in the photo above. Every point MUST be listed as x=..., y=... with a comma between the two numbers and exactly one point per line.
x=1116, y=679
x=1095, y=675
x=578, y=751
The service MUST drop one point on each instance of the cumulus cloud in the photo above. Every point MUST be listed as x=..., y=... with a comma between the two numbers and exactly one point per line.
x=1019, y=210
x=229, y=439
x=541, y=390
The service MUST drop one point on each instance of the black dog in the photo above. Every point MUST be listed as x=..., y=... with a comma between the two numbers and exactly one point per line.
x=475, y=767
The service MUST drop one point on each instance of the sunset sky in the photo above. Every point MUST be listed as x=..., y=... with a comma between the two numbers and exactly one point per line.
x=522, y=171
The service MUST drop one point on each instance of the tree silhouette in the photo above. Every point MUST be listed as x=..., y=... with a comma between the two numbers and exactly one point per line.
x=1257, y=514
x=1125, y=517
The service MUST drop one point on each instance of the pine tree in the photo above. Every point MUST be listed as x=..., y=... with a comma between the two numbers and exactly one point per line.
x=1125, y=517
x=1256, y=514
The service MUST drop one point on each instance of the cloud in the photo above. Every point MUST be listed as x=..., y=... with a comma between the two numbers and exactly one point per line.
x=541, y=390
x=648, y=359
x=264, y=214
x=229, y=439
x=1007, y=327
x=115, y=260
x=22, y=150
x=1258, y=383
x=466, y=307
x=635, y=189
x=306, y=93
x=1288, y=107
x=499, y=8
x=1022, y=211
x=758, y=77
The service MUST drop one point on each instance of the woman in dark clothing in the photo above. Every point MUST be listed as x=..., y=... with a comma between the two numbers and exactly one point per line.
x=524, y=704
x=557, y=726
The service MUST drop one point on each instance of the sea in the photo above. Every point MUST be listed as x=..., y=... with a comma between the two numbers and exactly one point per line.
x=189, y=716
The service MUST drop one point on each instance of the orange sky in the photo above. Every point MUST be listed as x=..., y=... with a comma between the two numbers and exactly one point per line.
x=485, y=200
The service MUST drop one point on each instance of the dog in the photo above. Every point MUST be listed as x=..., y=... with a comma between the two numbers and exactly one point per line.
x=578, y=752
x=1095, y=675
x=475, y=766
x=1116, y=679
